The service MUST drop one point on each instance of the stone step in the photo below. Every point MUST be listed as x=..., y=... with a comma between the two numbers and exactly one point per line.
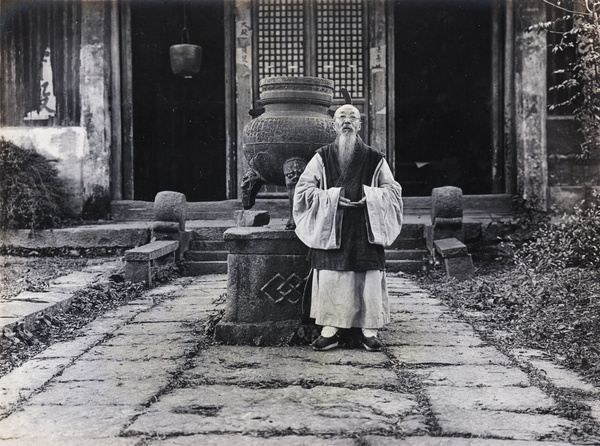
x=205, y=268
x=405, y=266
x=200, y=268
x=390, y=254
x=125, y=210
x=404, y=244
x=406, y=254
x=410, y=231
x=206, y=256
x=208, y=245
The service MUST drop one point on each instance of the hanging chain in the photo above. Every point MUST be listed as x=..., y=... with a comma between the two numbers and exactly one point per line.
x=185, y=30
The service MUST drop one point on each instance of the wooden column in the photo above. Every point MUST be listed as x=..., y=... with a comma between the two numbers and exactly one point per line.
x=243, y=77
x=94, y=93
x=378, y=64
x=530, y=104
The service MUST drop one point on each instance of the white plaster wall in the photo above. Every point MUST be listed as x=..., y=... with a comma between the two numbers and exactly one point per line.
x=67, y=145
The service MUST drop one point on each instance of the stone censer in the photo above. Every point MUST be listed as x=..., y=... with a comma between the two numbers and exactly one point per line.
x=281, y=140
x=267, y=266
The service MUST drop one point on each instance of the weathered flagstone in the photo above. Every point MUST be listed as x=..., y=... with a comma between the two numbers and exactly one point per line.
x=417, y=323
x=71, y=349
x=50, y=440
x=516, y=399
x=175, y=313
x=453, y=441
x=473, y=375
x=452, y=355
x=32, y=374
x=320, y=410
x=102, y=325
x=125, y=311
x=142, y=329
x=248, y=440
x=287, y=366
x=107, y=392
x=84, y=370
x=135, y=351
x=434, y=338
x=81, y=422
x=492, y=423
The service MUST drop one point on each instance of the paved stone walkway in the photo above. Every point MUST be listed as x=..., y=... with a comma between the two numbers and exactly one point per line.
x=145, y=374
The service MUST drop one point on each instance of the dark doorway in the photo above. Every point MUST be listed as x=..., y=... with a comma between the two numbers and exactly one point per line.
x=443, y=95
x=178, y=123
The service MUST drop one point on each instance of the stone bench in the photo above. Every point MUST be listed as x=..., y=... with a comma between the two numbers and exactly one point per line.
x=457, y=260
x=140, y=261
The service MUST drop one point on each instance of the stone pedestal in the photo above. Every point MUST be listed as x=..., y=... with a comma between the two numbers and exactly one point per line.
x=267, y=273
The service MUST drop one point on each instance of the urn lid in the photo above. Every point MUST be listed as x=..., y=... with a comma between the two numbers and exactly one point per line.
x=297, y=89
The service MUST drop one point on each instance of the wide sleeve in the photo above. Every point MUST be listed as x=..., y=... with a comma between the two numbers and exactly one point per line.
x=384, y=207
x=316, y=213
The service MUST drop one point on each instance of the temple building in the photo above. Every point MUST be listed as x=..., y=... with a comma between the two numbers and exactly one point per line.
x=454, y=92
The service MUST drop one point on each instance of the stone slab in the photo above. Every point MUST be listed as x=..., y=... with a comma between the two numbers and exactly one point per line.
x=241, y=365
x=151, y=251
x=320, y=410
x=452, y=355
x=90, y=370
x=249, y=440
x=508, y=425
x=160, y=348
x=473, y=376
x=454, y=441
x=562, y=377
x=450, y=247
x=109, y=392
x=70, y=349
x=144, y=329
x=90, y=421
x=172, y=312
x=22, y=382
x=102, y=325
x=434, y=338
x=30, y=439
x=50, y=297
x=445, y=399
x=122, y=235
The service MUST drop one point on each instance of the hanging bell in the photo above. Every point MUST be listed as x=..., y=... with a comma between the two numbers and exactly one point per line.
x=185, y=59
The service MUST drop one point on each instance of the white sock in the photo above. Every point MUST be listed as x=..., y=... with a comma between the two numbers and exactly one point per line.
x=369, y=332
x=328, y=331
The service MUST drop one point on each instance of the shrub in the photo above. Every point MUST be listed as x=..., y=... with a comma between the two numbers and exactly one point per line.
x=32, y=196
x=574, y=241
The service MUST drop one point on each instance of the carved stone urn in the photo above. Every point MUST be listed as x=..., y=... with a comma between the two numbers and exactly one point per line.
x=280, y=141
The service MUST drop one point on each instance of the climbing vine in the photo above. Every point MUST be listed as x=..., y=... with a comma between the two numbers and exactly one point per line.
x=578, y=31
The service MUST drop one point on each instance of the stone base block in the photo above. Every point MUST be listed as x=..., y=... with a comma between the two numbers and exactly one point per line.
x=460, y=268
x=257, y=333
x=138, y=272
x=267, y=274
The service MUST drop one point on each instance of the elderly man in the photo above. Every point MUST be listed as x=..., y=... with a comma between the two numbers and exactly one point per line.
x=347, y=208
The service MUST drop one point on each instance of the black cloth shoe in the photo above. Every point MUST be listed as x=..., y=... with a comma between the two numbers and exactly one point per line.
x=371, y=344
x=323, y=343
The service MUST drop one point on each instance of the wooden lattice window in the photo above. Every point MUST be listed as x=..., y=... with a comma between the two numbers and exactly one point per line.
x=280, y=38
x=323, y=38
x=340, y=44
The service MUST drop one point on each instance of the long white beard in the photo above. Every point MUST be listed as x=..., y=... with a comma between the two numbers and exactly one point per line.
x=347, y=141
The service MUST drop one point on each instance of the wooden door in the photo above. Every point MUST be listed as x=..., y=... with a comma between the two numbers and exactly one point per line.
x=178, y=123
x=446, y=103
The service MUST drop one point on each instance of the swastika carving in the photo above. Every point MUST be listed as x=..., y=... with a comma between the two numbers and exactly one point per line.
x=279, y=288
